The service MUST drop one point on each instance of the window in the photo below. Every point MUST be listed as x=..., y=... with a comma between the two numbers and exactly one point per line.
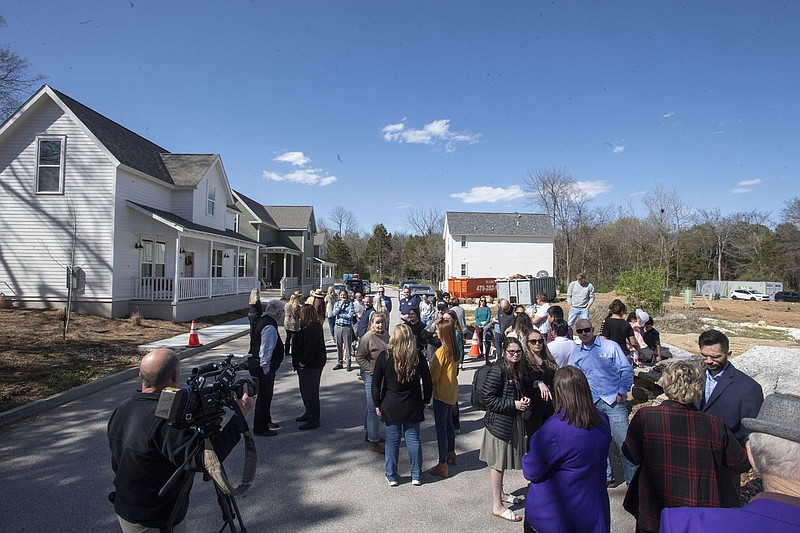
x=242, y=265
x=50, y=165
x=212, y=198
x=463, y=241
x=308, y=268
x=216, y=263
x=236, y=222
x=153, y=259
x=463, y=269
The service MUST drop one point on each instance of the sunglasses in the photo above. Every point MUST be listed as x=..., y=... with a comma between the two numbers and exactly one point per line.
x=535, y=341
x=514, y=352
x=583, y=330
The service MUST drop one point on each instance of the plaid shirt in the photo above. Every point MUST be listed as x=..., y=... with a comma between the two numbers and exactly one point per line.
x=681, y=453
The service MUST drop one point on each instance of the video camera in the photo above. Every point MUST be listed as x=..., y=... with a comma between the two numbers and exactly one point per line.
x=203, y=400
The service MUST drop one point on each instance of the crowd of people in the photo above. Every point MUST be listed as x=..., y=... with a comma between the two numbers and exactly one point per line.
x=553, y=404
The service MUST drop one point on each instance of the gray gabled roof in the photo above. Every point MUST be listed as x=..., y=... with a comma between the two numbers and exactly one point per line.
x=292, y=216
x=188, y=169
x=257, y=209
x=189, y=225
x=130, y=149
x=516, y=224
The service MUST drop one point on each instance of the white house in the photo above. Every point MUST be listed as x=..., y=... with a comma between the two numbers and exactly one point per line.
x=146, y=229
x=497, y=245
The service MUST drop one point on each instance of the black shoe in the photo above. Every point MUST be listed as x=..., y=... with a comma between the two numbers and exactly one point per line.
x=267, y=433
x=272, y=425
x=349, y=368
x=338, y=366
x=302, y=418
x=308, y=425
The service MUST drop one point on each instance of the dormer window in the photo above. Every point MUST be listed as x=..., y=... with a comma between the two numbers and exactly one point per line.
x=212, y=199
x=50, y=164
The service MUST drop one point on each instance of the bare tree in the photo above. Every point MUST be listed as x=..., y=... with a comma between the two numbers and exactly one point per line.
x=556, y=192
x=342, y=221
x=668, y=215
x=16, y=81
x=791, y=213
x=721, y=229
x=425, y=220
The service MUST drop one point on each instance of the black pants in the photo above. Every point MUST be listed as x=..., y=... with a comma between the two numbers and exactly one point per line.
x=266, y=388
x=287, y=345
x=309, y=390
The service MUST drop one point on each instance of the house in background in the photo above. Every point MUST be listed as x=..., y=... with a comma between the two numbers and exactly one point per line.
x=287, y=234
x=146, y=229
x=497, y=245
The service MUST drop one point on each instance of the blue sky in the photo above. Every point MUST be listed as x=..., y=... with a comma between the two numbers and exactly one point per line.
x=379, y=106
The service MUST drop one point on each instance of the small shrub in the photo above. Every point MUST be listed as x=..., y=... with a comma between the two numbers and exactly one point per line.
x=642, y=288
x=136, y=318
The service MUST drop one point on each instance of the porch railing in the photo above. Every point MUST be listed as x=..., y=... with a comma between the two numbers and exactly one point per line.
x=188, y=288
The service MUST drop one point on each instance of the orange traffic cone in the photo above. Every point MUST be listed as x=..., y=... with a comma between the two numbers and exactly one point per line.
x=194, y=338
x=474, y=350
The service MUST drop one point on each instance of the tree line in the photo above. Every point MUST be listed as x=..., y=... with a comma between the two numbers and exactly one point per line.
x=663, y=232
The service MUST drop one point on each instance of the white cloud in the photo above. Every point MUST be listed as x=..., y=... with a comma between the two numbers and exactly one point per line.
x=669, y=114
x=593, y=188
x=718, y=132
x=738, y=190
x=436, y=133
x=747, y=183
x=297, y=159
x=640, y=193
x=485, y=194
x=618, y=149
x=306, y=176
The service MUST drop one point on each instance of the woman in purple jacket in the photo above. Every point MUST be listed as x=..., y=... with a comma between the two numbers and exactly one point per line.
x=566, y=464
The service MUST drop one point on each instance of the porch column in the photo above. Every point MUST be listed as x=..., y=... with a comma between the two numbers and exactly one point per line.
x=284, y=264
x=256, y=267
x=177, y=269
x=291, y=264
x=210, y=267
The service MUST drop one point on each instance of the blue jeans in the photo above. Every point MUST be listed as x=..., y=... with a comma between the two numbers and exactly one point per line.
x=445, y=432
x=331, y=324
x=371, y=422
x=618, y=419
x=575, y=313
x=410, y=431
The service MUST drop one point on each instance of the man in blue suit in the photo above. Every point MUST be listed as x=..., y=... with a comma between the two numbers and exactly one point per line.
x=730, y=395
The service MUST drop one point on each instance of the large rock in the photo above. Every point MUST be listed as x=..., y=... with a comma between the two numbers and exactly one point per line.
x=775, y=369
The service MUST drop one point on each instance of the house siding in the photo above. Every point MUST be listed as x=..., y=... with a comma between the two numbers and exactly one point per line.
x=36, y=229
x=498, y=256
x=214, y=177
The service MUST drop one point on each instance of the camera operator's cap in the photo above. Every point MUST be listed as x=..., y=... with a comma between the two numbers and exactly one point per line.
x=442, y=305
x=779, y=416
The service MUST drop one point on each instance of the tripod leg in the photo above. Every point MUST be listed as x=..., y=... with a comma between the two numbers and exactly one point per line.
x=230, y=512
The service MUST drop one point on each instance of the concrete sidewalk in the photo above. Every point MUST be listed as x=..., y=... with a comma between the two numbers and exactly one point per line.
x=210, y=337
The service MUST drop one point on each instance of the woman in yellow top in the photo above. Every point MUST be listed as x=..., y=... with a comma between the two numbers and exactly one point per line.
x=444, y=368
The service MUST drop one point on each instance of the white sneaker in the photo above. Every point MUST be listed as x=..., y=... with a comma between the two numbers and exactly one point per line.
x=416, y=482
x=391, y=482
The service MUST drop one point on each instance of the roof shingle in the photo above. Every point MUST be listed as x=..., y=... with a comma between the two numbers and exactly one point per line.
x=518, y=224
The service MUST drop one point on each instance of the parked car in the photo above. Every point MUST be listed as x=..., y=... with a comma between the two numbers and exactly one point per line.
x=419, y=290
x=748, y=294
x=787, y=296
x=407, y=282
x=338, y=288
x=355, y=285
x=367, y=286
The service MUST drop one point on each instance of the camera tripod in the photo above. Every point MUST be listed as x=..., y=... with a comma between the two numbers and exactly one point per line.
x=227, y=502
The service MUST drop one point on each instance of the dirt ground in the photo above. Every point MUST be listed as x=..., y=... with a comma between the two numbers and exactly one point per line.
x=35, y=362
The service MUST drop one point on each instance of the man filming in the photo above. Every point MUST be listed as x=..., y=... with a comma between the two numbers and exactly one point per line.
x=146, y=450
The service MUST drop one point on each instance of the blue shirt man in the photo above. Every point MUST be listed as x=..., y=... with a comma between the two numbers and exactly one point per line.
x=407, y=302
x=610, y=377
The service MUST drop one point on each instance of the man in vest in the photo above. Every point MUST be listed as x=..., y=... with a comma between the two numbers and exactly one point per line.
x=267, y=346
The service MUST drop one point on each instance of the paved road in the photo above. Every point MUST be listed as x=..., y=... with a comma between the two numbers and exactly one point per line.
x=55, y=469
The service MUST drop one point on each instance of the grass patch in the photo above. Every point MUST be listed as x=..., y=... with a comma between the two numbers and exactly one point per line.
x=67, y=379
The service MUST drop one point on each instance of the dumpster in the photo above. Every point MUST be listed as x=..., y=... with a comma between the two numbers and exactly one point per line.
x=523, y=290
x=471, y=287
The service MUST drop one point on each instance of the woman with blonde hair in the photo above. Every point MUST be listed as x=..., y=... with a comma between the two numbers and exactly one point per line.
x=370, y=346
x=291, y=321
x=540, y=369
x=255, y=309
x=444, y=371
x=401, y=386
x=682, y=453
x=308, y=359
x=377, y=304
x=330, y=300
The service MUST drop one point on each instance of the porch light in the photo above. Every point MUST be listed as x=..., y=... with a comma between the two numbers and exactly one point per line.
x=226, y=256
x=138, y=245
x=183, y=251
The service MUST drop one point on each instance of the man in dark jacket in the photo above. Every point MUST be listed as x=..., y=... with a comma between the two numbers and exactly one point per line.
x=363, y=323
x=146, y=451
x=266, y=344
x=503, y=322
